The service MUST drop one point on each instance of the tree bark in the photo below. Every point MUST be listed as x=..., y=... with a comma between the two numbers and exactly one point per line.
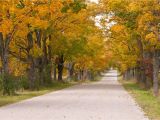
x=32, y=68
x=55, y=72
x=70, y=68
x=31, y=76
x=60, y=68
x=155, y=73
x=39, y=61
x=4, y=52
x=49, y=61
x=141, y=77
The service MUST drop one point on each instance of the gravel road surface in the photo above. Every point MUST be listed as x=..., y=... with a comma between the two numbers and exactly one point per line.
x=103, y=100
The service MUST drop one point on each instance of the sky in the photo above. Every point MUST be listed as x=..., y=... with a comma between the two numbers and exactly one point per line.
x=96, y=1
x=99, y=17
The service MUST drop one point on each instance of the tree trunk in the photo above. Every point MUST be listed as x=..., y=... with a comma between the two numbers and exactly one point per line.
x=39, y=60
x=5, y=73
x=49, y=62
x=89, y=75
x=31, y=76
x=148, y=68
x=44, y=58
x=55, y=72
x=40, y=74
x=141, y=77
x=32, y=68
x=60, y=73
x=60, y=68
x=70, y=70
x=4, y=52
x=137, y=74
x=155, y=73
x=79, y=75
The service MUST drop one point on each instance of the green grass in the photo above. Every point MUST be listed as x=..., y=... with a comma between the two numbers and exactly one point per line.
x=22, y=95
x=149, y=103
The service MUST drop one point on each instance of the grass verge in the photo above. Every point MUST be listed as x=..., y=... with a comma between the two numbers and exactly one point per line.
x=149, y=103
x=26, y=94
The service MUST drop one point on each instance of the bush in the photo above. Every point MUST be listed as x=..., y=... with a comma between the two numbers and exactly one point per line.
x=8, y=84
x=23, y=82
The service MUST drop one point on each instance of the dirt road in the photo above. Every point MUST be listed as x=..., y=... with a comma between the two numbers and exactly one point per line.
x=103, y=100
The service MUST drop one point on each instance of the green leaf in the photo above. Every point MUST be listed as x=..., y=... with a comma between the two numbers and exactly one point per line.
x=21, y=4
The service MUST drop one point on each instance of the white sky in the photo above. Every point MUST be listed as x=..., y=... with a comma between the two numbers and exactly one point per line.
x=96, y=1
x=98, y=18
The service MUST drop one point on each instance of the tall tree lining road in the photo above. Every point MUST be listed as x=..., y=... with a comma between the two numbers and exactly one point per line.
x=104, y=100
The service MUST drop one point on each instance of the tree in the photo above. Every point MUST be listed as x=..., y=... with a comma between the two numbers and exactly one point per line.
x=140, y=19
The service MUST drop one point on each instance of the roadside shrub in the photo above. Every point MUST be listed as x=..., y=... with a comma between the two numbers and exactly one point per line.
x=1, y=83
x=24, y=82
x=8, y=84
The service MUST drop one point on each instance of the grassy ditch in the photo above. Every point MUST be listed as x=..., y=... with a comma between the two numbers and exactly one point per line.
x=149, y=103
